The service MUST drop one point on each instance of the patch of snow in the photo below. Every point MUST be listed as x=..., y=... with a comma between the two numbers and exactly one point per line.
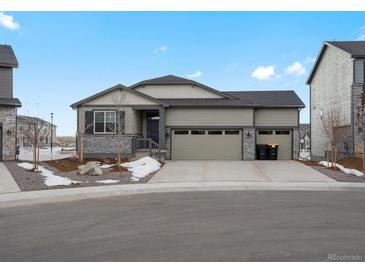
x=108, y=181
x=343, y=169
x=50, y=179
x=142, y=167
x=106, y=166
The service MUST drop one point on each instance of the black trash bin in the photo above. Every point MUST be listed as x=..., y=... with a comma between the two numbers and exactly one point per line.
x=273, y=151
x=262, y=151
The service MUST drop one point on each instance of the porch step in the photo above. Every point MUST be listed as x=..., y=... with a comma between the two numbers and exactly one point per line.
x=140, y=153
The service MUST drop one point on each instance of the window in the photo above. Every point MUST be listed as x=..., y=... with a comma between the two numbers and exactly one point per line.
x=231, y=132
x=181, y=132
x=104, y=122
x=265, y=132
x=282, y=132
x=214, y=132
x=198, y=132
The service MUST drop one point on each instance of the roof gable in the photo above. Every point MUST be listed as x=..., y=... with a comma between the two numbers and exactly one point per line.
x=92, y=99
x=175, y=80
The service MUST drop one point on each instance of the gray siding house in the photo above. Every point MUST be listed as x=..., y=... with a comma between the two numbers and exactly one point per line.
x=8, y=104
x=184, y=119
x=27, y=123
x=337, y=78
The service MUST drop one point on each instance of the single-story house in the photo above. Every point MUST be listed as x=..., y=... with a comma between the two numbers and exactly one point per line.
x=187, y=120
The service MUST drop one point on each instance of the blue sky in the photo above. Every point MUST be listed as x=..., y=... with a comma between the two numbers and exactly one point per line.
x=66, y=56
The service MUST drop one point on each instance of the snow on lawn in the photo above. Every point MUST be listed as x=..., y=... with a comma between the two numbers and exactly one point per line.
x=50, y=179
x=142, y=167
x=343, y=169
x=105, y=166
x=108, y=181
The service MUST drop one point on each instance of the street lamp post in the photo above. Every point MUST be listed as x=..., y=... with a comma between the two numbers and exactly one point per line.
x=51, y=132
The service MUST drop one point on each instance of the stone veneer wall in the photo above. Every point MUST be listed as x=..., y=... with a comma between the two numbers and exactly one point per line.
x=168, y=143
x=106, y=145
x=357, y=91
x=296, y=143
x=249, y=144
x=8, y=121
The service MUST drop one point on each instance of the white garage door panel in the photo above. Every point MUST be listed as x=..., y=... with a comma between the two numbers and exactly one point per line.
x=191, y=146
x=279, y=137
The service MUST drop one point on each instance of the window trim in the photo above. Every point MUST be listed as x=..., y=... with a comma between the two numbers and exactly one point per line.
x=115, y=122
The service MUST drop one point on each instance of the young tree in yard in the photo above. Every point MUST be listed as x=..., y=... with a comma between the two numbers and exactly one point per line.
x=119, y=100
x=81, y=136
x=35, y=134
x=332, y=129
x=361, y=123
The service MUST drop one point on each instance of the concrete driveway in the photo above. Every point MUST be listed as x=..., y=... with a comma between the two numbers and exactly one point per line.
x=248, y=171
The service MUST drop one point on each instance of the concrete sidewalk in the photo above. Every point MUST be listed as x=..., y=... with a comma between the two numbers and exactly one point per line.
x=72, y=194
x=7, y=182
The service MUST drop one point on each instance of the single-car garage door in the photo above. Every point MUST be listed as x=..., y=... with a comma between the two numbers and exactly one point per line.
x=202, y=144
x=281, y=137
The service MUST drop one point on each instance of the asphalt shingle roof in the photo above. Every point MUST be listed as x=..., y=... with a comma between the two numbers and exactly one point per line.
x=355, y=48
x=274, y=98
x=10, y=102
x=7, y=57
x=32, y=119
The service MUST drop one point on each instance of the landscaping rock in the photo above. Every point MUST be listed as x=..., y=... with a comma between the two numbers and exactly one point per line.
x=91, y=168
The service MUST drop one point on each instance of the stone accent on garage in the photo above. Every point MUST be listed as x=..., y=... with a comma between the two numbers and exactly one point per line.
x=296, y=143
x=8, y=122
x=249, y=140
x=105, y=145
x=168, y=143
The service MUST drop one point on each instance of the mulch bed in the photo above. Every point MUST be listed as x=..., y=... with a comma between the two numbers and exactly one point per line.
x=337, y=174
x=30, y=181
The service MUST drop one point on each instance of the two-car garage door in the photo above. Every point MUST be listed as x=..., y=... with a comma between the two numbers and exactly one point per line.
x=224, y=144
x=204, y=144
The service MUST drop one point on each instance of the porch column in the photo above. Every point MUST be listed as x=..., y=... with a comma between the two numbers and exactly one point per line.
x=161, y=128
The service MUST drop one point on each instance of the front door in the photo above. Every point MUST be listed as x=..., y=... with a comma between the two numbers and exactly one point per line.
x=152, y=127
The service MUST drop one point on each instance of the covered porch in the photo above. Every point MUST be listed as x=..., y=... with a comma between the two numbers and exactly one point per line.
x=151, y=137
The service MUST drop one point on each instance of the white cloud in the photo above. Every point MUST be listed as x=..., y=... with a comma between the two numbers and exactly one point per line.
x=160, y=49
x=361, y=34
x=263, y=73
x=7, y=21
x=309, y=60
x=296, y=68
x=196, y=74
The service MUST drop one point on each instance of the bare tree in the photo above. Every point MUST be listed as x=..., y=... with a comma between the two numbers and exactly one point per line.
x=35, y=134
x=332, y=128
x=119, y=100
x=81, y=135
x=361, y=123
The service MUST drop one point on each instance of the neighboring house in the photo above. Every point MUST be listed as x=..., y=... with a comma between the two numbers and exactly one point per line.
x=305, y=137
x=189, y=120
x=27, y=124
x=8, y=104
x=337, y=78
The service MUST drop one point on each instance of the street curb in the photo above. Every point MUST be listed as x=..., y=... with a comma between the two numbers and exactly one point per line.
x=74, y=194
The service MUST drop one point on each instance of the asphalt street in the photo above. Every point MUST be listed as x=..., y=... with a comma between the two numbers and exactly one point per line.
x=190, y=226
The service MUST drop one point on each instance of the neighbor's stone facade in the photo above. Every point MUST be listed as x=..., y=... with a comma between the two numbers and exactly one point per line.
x=249, y=146
x=106, y=145
x=296, y=143
x=8, y=122
x=357, y=91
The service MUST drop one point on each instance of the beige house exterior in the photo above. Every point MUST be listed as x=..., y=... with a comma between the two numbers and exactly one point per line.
x=182, y=119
